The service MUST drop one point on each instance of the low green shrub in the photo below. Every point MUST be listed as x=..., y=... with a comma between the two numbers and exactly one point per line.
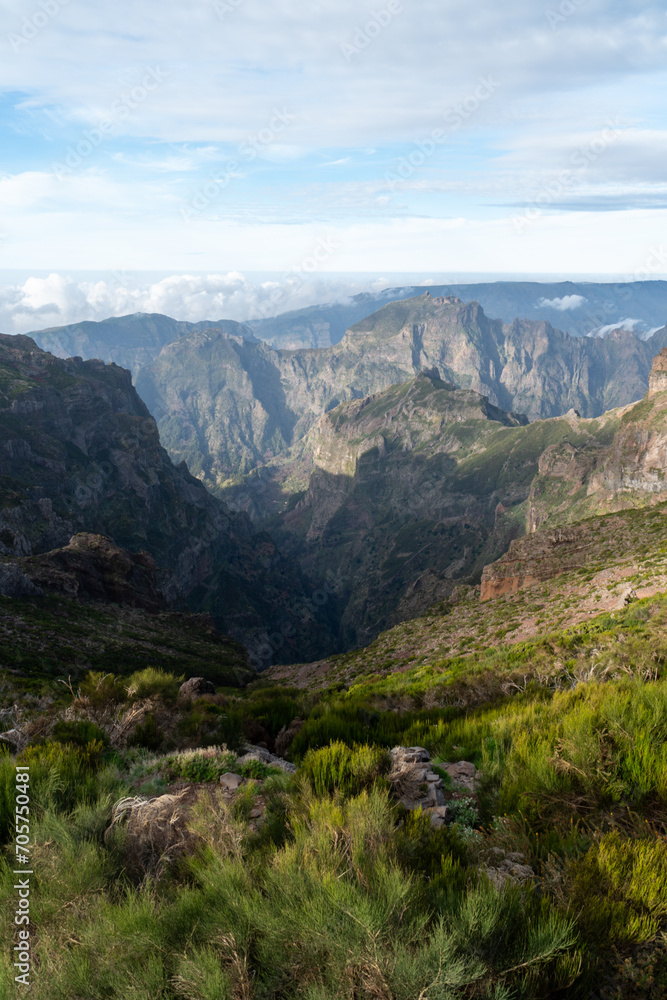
x=618, y=889
x=257, y=770
x=463, y=811
x=103, y=690
x=147, y=734
x=79, y=733
x=343, y=768
x=152, y=682
x=200, y=765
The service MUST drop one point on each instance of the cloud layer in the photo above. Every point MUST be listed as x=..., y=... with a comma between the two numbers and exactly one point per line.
x=155, y=131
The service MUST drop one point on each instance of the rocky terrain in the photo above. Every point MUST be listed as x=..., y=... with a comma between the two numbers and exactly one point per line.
x=581, y=308
x=414, y=490
x=580, y=511
x=81, y=453
x=227, y=406
x=129, y=341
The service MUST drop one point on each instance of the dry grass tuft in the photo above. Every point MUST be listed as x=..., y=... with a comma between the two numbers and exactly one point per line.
x=157, y=830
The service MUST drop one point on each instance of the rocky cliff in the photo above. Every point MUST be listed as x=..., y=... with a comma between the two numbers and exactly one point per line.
x=414, y=490
x=622, y=465
x=81, y=453
x=227, y=406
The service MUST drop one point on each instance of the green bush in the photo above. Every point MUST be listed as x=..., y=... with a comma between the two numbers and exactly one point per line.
x=103, y=690
x=200, y=767
x=152, y=682
x=619, y=889
x=257, y=770
x=147, y=734
x=79, y=733
x=463, y=811
x=344, y=768
x=61, y=774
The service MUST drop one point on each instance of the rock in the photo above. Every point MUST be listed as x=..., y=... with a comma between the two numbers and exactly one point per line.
x=14, y=583
x=414, y=784
x=230, y=781
x=270, y=759
x=657, y=379
x=506, y=868
x=463, y=774
x=256, y=813
x=195, y=687
x=626, y=597
x=92, y=567
x=438, y=816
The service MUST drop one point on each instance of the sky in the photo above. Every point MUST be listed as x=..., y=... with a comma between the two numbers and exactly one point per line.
x=222, y=138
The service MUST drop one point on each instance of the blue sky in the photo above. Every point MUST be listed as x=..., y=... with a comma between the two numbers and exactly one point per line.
x=403, y=136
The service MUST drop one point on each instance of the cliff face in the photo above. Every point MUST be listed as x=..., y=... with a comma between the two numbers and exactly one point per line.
x=623, y=466
x=657, y=379
x=80, y=453
x=226, y=406
x=414, y=490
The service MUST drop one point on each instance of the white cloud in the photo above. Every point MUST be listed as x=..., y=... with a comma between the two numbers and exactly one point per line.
x=636, y=326
x=424, y=60
x=565, y=303
x=58, y=300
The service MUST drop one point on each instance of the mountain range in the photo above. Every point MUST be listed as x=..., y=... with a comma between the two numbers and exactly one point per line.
x=225, y=406
x=381, y=473
x=580, y=308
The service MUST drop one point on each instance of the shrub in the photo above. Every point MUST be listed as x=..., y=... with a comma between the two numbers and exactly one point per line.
x=619, y=889
x=62, y=775
x=348, y=769
x=206, y=765
x=463, y=811
x=257, y=770
x=79, y=733
x=153, y=683
x=103, y=690
x=147, y=734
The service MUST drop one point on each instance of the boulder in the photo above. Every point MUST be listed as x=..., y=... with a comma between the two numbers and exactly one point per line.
x=265, y=757
x=230, y=781
x=195, y=687
x=463, y=774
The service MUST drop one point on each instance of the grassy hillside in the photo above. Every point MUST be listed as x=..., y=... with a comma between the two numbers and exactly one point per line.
x=336, y=891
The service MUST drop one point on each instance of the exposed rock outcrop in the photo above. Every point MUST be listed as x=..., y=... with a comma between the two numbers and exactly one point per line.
x=92, y=568
x=415, y=784
x=657, y=379
x=225, y=405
